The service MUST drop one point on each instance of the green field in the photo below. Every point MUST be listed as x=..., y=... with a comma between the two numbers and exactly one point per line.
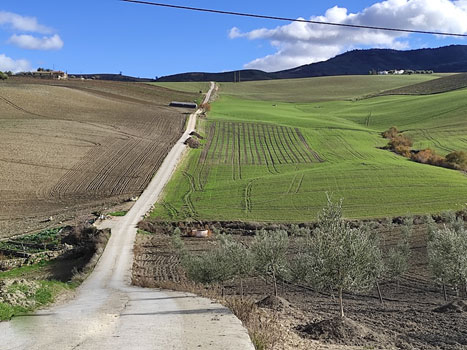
x=321, y=88
x=269, y=160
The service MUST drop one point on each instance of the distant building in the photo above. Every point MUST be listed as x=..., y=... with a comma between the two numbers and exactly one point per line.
x=183, y=104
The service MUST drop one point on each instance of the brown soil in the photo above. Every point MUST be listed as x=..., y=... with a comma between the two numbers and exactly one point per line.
x=72, y=147
x=406, y=320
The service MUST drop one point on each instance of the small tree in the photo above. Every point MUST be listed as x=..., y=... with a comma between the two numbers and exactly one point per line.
x=398, y=257
x=239, y=257
x=269, y=251
x=447, y=257
x=339, y=257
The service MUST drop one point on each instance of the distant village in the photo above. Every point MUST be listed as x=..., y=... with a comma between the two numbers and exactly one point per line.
x=400, y=72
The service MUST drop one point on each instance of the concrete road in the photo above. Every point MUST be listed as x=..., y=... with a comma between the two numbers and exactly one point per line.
x=109, y=314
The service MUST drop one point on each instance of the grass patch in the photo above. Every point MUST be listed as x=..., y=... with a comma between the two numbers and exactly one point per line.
x=24, y=271
x=38, y=294
x=119, y=213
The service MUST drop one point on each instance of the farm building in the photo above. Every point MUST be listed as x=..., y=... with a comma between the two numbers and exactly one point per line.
x=46, y=74
x=183, y=104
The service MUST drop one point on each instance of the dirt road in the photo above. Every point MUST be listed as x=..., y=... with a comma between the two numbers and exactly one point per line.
x=108, y=313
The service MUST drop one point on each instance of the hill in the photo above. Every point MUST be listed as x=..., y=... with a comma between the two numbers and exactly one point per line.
x=446, y=59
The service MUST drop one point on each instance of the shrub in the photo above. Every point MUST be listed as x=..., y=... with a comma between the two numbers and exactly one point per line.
x=400, y=140
x=458, y=159
x=428, y=156
x=206, y=107
x=391, y=133
x=3, y=76
x=403, y=151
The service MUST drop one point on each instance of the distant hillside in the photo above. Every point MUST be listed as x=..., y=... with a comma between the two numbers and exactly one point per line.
x=112, y=77
x=448, y=59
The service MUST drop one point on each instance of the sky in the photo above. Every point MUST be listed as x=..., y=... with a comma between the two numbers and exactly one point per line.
x=111, y=36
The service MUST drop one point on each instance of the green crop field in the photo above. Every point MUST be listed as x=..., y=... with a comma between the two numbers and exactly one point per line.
x=267, y=160
x=321, y=88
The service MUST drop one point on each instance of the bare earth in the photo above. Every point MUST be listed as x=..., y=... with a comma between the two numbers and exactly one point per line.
x=67, y=148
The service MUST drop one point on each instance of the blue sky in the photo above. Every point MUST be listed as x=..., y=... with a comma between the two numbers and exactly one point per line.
x=97, y=36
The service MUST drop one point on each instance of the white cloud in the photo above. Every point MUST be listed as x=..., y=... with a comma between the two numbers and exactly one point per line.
x=30, y=42
x=15, y=66
x=23, y=23
x=302, y=43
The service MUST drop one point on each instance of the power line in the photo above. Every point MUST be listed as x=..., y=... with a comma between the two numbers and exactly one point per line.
x=293, y=20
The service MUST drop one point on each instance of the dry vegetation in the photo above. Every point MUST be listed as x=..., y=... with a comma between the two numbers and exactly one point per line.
x=72, y=147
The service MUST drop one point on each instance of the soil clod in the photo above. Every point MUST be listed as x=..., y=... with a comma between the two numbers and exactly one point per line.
x=458, y=306
x=273, y=303
x=339, y=331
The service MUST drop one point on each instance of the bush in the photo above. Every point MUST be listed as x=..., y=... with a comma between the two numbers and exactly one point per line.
x=458, y=159
x=400, y=140
x=428, y=156
x=391, y=133
x=206, y=107
x=3, y=76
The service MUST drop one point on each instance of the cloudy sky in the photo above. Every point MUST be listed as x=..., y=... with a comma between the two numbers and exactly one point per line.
x=111, y=36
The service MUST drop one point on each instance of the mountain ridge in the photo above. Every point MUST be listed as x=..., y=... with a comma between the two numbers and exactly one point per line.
x=446, y=59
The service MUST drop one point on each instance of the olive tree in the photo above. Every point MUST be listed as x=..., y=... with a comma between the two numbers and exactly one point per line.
x=339, y=257
x=398, y=256
x=269, y=253
x=239, y=258
x=210, y=267
x=447, y=256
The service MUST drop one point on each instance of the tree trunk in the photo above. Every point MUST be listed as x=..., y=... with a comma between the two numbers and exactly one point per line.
x=341, y=303
x=241, y=288
x=275, y=283
x=463, y=291
x=379, y=293
x=445, y=293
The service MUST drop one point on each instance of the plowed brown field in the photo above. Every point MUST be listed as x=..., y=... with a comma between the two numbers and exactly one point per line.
x=68, y=148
